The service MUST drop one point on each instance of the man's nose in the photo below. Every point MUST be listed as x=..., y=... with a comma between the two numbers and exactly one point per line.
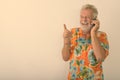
x=85, y=19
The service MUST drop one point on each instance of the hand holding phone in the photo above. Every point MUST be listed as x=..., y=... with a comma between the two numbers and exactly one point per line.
x=95, y=25
x=92, y=25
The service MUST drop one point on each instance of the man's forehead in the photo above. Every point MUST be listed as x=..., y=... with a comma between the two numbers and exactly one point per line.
x=87, y=10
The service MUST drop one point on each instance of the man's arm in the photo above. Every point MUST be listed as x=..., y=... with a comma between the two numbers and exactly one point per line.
x=66, y=52
x=99, y=51
x=67, y=42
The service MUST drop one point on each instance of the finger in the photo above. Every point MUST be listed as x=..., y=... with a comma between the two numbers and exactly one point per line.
x=95, y=22
x=65, y=28
x=68, y=34
x=97, y=26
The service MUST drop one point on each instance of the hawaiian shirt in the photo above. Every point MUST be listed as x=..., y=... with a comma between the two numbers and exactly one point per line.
x=83, y=63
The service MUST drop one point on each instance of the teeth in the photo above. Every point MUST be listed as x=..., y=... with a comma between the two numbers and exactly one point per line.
x=85, y=23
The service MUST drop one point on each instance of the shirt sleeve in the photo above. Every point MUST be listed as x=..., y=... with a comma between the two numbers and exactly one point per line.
x=104, y=43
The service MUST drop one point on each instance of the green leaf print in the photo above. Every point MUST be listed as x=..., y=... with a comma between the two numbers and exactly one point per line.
x=86, y=74
x=91, y=57
x=77, y=50
x=86, y=46
x=77, y=62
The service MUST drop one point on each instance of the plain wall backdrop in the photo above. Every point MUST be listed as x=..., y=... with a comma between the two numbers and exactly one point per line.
x=31, y=37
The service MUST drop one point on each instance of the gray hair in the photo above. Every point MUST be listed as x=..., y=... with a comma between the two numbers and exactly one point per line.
x=91, y=7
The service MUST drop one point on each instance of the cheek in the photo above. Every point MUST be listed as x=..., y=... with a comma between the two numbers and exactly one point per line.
x=81, y=20
x=90, y=21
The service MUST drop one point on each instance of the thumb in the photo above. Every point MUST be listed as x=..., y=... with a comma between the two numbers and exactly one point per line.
x=65, y=28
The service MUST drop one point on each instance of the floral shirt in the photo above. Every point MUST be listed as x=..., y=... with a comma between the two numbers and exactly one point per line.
x=83, y=63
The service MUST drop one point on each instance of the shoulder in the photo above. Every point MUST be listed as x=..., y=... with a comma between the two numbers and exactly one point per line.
x=75, y=29
x=101, y=34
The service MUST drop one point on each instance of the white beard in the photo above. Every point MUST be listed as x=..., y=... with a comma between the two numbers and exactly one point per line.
x=85, y=28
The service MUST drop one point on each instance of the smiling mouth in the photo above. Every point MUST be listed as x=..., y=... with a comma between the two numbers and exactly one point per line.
x=85, y=23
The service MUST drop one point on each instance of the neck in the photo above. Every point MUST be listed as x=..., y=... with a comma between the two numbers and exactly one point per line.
x=86, y=34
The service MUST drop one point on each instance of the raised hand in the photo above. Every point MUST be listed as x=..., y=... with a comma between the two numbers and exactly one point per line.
x=67, y=35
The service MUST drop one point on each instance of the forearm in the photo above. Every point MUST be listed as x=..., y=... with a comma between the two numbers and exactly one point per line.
x=66, y=52
x=98, y=50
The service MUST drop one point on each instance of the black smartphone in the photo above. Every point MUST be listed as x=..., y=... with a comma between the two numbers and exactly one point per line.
x=93, y=24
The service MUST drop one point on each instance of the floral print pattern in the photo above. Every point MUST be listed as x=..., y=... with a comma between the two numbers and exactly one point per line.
x=83, y=63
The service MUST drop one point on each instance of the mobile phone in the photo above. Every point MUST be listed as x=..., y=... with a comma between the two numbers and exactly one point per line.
x=92, y=25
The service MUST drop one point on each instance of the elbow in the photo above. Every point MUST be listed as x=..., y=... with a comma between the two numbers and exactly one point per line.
x=65, y=58
x=100, y=59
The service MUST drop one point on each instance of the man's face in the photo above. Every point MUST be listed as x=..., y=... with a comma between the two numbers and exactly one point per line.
x=86, y=16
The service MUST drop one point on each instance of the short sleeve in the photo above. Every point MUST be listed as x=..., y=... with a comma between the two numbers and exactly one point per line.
x=104, y=42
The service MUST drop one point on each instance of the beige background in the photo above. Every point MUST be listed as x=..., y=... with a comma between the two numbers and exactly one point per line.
x=31, y=37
